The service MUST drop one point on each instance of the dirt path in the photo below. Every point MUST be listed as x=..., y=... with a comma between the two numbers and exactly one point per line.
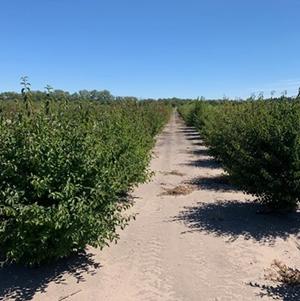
x=206, y=245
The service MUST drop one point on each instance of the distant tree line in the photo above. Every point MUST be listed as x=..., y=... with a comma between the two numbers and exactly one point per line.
x=105, y=96
x=102, y=96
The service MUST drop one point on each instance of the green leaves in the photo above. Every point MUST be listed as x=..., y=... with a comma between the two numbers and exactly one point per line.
x=64, y=172
x=258, y=144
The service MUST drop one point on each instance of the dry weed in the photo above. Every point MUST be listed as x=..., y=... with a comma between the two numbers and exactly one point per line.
x=178, y=190
x=173, y=173
x=282, y=273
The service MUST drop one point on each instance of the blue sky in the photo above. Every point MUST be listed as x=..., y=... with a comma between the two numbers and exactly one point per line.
x=152, y=48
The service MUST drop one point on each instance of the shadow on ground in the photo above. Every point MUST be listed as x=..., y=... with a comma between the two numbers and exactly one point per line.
x=198, y=143
x=187, y=130
x=199, y=152
x=193, y=138
x=191, y=134
x=20, y=283
x=208, y=162
x=217, y=183
x=279, y=292
x=234, y=219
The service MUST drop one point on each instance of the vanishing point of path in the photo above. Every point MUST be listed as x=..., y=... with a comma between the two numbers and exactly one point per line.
x=208, y=244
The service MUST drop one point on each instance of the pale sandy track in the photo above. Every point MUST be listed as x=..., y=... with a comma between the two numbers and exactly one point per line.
x=202, y=246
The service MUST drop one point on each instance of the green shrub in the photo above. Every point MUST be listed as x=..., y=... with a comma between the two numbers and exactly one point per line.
x=187, y=112
x=258, y=144
x=63, y=175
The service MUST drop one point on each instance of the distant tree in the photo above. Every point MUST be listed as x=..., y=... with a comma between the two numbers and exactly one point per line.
x=105, y=96
x=85, y=94
x=94, y=95
x=272, y=94
x=7, y=96
x=284, y=93
x=260, y=95
x=253, y=96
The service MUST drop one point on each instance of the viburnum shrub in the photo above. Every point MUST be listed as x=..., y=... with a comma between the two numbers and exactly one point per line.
x=187, y=112
x=64, y=171
x=258, y=144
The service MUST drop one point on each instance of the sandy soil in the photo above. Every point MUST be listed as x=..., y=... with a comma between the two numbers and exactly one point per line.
x=208, y=244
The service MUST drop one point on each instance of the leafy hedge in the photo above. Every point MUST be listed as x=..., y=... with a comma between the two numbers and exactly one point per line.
x=258, y=144
x=64, y=171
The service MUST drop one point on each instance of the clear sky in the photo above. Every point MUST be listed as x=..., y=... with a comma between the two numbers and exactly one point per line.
x=152, y=48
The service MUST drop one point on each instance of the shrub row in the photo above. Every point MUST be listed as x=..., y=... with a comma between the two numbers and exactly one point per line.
x=64, y=172
x=258, y=144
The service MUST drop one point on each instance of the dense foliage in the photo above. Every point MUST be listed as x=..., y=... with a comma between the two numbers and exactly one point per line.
x=258, y=144
x=64, y=171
